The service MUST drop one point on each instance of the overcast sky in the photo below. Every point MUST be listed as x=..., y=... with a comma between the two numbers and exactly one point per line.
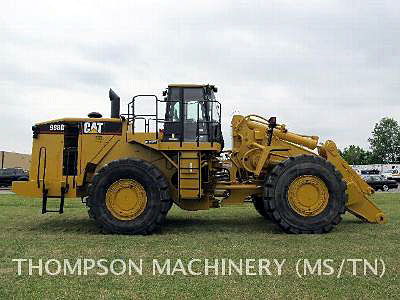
x=326, y=68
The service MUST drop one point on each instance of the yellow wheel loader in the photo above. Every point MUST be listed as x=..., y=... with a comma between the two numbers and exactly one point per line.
x=130, y=177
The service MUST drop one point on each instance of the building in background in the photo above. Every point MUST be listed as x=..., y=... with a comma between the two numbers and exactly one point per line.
x=15, y=160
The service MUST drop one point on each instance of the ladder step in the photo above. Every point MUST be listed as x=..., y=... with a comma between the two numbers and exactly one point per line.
x=189, y=166
x=44, y=202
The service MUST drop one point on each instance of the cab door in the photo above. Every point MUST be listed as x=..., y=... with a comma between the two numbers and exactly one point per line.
x=173, y=126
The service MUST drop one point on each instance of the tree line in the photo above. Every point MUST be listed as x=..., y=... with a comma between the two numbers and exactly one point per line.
x=384, y=146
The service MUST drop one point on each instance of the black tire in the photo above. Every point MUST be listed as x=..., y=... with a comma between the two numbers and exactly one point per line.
x=153, y=182
x=258, y=203
x=276, y=195
x=385, y=188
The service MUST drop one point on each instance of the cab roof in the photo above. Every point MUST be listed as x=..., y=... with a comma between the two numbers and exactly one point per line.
x=188, y=85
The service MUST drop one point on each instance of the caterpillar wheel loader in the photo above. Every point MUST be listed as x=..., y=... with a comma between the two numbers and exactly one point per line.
x=129, y=178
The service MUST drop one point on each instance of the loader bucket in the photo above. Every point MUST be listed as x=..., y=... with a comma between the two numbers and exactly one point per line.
x=358, y=191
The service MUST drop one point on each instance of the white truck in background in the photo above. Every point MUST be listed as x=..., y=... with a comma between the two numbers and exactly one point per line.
x=393, y=174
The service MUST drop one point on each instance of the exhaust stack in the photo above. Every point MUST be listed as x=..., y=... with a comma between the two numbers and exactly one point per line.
x=115, y=104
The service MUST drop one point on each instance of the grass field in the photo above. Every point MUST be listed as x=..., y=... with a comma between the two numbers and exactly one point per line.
x=230, y=232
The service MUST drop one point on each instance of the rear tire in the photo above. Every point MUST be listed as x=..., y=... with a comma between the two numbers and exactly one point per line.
x=149, y=179
x=276, y=195
x=385, y=188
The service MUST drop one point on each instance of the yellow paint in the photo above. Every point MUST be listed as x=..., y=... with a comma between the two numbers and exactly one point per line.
x=308, y=195
x=256, y=149
x=126, y=199
x=358, y=190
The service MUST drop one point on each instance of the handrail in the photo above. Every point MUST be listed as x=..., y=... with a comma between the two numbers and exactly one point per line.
x=44, y=169
x=132, y=117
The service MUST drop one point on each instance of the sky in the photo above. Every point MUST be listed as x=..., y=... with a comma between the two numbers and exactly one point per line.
x=325, y=68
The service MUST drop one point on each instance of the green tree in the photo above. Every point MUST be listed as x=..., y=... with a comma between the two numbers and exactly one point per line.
x=372, y=158
x=355, y=155
x=385, y=141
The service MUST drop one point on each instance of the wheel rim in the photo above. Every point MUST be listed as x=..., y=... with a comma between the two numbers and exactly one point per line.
x=385, y=188
x=308, y=195
x=126, y=199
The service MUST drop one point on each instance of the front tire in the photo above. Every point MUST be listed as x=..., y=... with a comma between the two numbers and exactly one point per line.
x=305, y=194
x=258, y=203
x=128, y=196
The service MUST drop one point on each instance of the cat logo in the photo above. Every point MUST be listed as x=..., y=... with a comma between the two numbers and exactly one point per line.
x=92, y=127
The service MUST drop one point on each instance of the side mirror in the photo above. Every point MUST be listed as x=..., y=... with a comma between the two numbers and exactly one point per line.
x=272, y=121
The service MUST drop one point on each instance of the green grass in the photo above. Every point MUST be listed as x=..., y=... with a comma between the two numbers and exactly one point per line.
x=230, y=232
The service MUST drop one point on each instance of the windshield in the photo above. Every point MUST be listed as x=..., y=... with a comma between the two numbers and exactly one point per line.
x=193, y=104
x=193, y=94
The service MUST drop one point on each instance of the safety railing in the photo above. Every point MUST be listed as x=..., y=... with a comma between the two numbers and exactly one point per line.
x=132, y=117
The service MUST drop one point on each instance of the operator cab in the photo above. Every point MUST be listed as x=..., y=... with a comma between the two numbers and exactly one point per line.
x=192, y=114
